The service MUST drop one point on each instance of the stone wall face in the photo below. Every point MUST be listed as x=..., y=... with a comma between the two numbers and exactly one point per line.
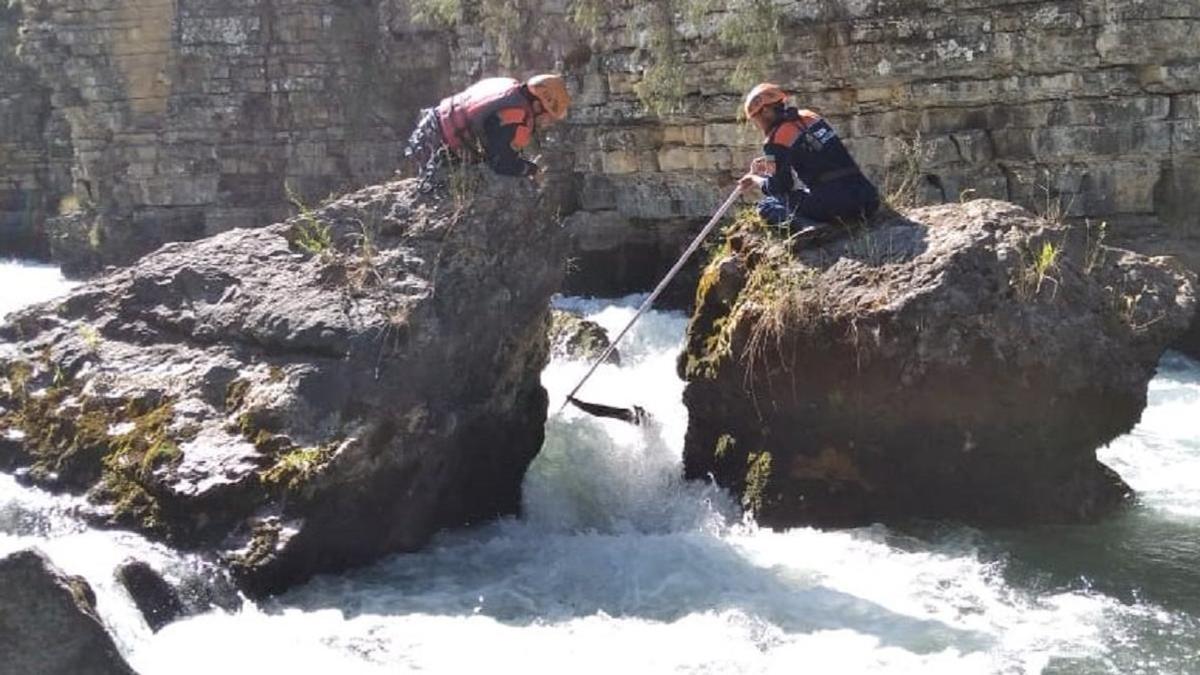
x=35, y=150
x=1091, y=106
x=188, y=116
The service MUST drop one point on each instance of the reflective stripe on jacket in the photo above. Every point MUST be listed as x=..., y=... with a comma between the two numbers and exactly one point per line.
x=803, y=142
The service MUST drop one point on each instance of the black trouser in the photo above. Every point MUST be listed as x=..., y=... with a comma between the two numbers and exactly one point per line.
x=846, y=199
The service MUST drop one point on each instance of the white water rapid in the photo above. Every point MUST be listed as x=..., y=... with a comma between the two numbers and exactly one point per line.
x=617, y=565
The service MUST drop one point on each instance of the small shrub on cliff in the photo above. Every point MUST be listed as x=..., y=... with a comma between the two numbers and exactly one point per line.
x=1128, y=304
x=661, y=89
x=747, y=28
x=1093, y=247
x=1052, y=207
x=1038, y=268
x=751, y=29
x=462, y=180
x=90, y=337
x=439, y=13
x=362, y=270
x=309, y=234
x=904, y=177
x=501, y=21
x=780, y=299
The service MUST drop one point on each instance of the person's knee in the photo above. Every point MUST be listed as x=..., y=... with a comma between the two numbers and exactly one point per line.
x=773, y=211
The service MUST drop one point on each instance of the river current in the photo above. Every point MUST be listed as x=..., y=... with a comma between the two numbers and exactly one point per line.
x=618, y=565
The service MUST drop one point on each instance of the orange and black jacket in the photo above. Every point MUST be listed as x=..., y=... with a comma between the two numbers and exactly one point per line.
x=494, y=116
x=805, y=146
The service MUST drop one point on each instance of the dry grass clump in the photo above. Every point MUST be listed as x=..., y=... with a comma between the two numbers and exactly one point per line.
x=904, y=178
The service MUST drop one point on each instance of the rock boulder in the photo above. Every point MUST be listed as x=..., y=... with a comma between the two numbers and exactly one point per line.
x=572, y=336
x=307, y=396
x=154, y=597
x=965, y=361
x=48, y=622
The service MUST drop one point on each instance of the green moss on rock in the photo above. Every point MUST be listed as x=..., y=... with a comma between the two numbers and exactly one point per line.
x=758, y=481
x=292, y=470
x=575, y=337
x=112, y=446
x=235, y=394
x=263, y=542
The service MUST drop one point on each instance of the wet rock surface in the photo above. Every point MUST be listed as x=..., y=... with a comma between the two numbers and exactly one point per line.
x=573, y=336
x=153, y=596
x=307, y=396
x=1190, y=342
x=965, y=361
x=48, y=622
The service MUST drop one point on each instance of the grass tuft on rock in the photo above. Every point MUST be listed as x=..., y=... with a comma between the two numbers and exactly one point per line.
x=295, y=468
x=758, y=481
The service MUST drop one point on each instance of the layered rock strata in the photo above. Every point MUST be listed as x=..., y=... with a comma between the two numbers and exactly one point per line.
x=189, y=118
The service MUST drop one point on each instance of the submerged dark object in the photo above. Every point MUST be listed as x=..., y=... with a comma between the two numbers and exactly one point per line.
x=633, y=415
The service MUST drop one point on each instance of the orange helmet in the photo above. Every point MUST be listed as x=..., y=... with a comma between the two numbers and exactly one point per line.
x=762, y=96
x=551, y=90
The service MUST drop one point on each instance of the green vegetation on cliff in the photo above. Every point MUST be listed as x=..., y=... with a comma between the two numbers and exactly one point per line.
x=748, y=30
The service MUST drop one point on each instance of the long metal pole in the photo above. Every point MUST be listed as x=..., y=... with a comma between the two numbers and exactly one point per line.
x=657, y=291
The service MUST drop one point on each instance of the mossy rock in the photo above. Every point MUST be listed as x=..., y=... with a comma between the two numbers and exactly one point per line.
x=574, y=337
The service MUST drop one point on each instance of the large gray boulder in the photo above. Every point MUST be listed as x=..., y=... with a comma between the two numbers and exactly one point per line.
x=965, y=361
x=48, y=622
x=306, y=396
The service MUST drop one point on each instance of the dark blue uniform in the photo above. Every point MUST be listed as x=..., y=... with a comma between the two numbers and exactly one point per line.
x=806, y=149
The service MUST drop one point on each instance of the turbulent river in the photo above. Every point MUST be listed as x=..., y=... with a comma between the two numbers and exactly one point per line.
x=617, y=565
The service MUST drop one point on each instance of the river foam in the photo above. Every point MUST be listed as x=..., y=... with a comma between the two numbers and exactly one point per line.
x=617, y=564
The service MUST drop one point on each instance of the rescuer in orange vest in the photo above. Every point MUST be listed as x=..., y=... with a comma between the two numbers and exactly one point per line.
x=806, y=170
x=490, y=121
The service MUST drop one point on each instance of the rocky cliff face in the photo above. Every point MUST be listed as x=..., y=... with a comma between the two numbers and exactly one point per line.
x=187, y=118
x=306, y=396
x=35, y=149
x=1083, y=105
x=965, y=361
